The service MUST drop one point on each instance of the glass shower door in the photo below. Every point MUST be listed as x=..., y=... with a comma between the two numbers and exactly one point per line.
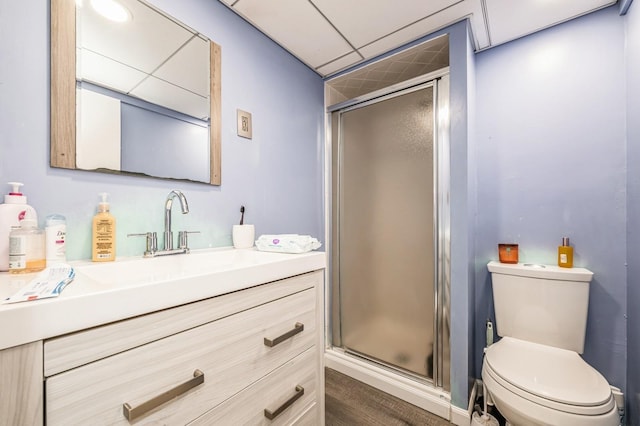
x=386, y=250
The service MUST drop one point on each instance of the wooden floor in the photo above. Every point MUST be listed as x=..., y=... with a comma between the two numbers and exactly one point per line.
x=352, y=403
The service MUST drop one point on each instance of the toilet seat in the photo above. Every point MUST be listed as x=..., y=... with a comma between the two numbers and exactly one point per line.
x=555, y=378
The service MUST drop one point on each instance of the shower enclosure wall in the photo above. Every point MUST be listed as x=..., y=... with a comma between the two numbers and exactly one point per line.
x=390, y=222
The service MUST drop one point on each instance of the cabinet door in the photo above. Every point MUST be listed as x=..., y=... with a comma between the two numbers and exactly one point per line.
x=231, y=352
x=21, y=385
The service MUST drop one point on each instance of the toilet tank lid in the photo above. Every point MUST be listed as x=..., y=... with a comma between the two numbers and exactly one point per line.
x=550, y=272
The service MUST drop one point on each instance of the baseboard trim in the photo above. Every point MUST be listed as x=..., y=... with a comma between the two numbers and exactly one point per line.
x=460, y=416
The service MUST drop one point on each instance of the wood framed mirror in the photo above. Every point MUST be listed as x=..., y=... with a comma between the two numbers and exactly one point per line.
x=68, y=83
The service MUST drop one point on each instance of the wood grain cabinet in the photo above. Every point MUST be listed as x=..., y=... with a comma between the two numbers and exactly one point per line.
x=248, y=357
x=21, y=394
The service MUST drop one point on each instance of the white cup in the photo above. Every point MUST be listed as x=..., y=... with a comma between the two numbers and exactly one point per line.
x=243, y=236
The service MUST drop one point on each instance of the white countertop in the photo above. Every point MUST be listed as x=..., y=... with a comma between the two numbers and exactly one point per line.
x=105, y=292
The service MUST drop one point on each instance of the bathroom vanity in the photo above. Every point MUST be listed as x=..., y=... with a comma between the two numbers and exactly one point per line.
x=214, y=337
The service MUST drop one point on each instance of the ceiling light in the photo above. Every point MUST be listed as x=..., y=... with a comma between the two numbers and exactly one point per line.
x=111, y=9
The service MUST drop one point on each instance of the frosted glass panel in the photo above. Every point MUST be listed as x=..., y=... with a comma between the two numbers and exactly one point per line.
x=386, y=231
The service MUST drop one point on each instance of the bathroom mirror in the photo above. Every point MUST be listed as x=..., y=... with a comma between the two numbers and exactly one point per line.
x=139, y=96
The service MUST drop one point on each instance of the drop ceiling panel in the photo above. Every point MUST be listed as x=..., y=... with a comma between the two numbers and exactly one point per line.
x=329, y=34
x=195, y=76
x=361, y=23
x=456, y=13
x=298, y=27
x=339, y=64
x=510, y=19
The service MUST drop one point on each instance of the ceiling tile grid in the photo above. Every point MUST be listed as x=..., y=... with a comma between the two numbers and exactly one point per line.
x=298, y=26
x=362, y=21
x=468, y=9
x=339, y=64
x=333, y=35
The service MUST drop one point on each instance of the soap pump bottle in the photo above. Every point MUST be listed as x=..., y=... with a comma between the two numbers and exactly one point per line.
x=103, y=245
x=565, y=254
x=26, y=247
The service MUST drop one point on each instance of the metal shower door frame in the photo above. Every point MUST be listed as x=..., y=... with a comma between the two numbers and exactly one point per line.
x=441, y=167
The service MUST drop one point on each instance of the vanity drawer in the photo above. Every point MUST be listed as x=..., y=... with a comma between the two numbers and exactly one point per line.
x=230, y=352
x=311, y=417
x=76, y=349
x=287, y=393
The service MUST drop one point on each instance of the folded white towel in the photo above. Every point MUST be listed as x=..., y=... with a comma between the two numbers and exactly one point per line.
x=287, y=243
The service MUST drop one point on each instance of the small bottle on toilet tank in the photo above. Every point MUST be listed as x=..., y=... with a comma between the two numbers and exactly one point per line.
x=565, y=254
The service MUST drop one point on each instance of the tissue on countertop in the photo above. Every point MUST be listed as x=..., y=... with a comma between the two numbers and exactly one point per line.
x=287, y=243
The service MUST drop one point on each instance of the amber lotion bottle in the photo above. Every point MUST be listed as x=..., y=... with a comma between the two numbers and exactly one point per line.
x=565, y=254
x=103, y=245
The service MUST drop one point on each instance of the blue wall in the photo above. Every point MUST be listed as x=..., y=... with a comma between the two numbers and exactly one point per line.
x=551, y=163
x=633, y=213
x=277, y=175
x=462, y=193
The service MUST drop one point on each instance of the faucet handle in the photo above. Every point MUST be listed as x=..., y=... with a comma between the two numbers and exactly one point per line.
x=152, y=241
x=183, y=240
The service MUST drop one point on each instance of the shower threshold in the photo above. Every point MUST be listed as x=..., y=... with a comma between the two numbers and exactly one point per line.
x=420, y=393
x=401, y=359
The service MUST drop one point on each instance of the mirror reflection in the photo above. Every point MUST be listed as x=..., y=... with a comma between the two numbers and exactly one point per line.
x=142, y=92
x=142, y=95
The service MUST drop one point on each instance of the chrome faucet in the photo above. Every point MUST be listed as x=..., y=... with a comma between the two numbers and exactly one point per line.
x=152, y=237
x=168, y=235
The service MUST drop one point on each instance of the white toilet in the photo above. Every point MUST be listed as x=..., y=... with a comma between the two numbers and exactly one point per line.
x=534, y=374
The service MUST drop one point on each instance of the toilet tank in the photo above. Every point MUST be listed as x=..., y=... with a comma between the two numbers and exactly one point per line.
x=541, y=303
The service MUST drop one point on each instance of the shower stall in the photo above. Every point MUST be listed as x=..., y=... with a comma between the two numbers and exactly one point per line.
x=389, y=288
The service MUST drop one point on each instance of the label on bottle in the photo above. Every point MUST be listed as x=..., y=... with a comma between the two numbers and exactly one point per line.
x=104, y=239
x=563, y=258
x=17, y=252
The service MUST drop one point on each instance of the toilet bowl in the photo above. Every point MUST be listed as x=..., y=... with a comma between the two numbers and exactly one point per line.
x=534, y=375
x=533, y=384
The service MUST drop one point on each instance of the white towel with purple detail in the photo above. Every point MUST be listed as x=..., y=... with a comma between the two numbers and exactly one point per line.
x=287, y=243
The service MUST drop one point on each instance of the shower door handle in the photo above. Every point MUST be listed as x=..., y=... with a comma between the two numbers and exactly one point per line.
x=298, y=328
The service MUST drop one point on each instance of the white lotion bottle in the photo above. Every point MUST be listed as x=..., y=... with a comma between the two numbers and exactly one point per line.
x=14, y=209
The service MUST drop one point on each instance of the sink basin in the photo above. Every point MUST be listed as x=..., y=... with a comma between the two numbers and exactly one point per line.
x=166, y=268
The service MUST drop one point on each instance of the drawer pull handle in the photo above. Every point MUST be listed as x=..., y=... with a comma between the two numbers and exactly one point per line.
x=273, y=414
x=132, y=413
x=298, y=328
